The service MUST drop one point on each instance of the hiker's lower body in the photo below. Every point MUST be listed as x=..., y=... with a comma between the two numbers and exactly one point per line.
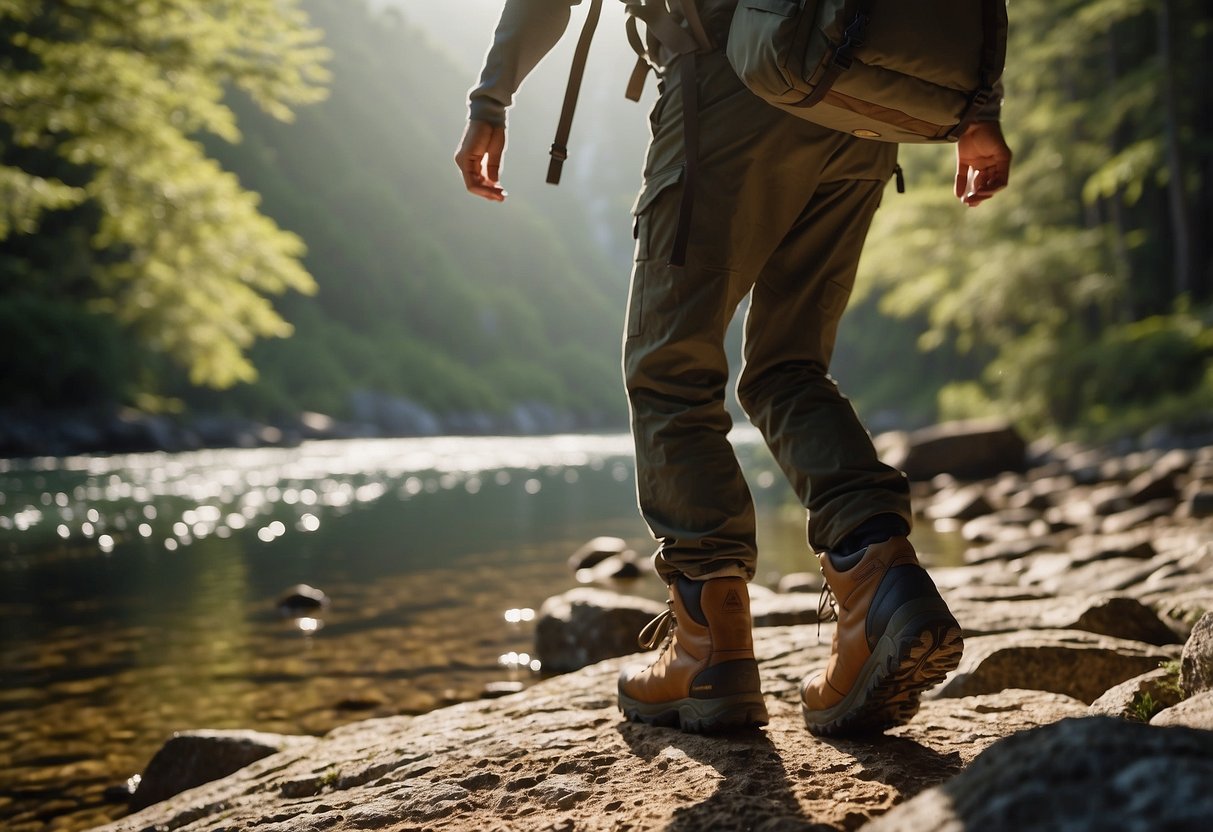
x=780, y=212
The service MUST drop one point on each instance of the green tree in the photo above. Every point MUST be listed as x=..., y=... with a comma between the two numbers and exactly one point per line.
x=1108, y=110
x=101, y=104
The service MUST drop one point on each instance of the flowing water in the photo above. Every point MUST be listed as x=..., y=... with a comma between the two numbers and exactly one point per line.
x=138, y=593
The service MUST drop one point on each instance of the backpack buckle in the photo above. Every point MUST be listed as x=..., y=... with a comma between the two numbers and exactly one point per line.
x=852, y=38
x=559, y=152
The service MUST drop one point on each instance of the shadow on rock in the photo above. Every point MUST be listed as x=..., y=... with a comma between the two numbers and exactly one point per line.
x=900, y=762
x=754, y=791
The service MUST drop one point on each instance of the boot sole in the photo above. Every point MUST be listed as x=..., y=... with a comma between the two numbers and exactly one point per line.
x=918, y=656
x=699, y=715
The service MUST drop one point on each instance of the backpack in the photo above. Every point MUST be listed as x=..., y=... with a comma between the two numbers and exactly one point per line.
x=889, y=70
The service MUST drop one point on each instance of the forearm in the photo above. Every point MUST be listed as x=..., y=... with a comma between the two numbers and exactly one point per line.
x=527, y=31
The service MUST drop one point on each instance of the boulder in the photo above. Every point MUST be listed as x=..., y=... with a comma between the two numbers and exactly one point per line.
x=624, y=566
x=1078, y=775
x=192, y=758
x=584, y=626
x=1196, y=712
x=976, y=449
x=1117, y=616
x=1077, y=664
x=1139, y=698
x=778, y=610
x=1196, y=663
x=801, y=582
x=595, y=551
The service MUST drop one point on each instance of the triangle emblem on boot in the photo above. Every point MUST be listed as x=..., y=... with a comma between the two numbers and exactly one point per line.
x=732, y=602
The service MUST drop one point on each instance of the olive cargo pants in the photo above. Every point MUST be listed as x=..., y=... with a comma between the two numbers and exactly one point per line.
x=782, y=207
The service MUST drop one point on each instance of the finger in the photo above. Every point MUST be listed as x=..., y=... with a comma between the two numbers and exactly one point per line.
x=489, y=192
x=476, y=183
x=963, y=172
x=495, y=150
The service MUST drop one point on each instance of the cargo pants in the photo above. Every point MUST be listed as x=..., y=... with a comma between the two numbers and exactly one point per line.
x=781, y=210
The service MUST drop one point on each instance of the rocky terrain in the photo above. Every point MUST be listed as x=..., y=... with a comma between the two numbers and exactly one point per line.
x=1084, y=700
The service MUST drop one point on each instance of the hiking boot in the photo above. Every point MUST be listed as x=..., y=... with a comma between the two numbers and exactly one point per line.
x=895, y=639
x=705, y=678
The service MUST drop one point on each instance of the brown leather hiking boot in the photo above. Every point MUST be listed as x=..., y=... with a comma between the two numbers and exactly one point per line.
x=895, y=639
x=705, y=678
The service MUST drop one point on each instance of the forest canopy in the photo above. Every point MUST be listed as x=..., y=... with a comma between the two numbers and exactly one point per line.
x=183, y=182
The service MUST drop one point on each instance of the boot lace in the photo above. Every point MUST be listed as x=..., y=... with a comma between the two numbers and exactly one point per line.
x=827, y=607
x=660, y=630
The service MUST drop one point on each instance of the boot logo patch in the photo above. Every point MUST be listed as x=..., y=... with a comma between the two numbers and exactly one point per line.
x=732, y=602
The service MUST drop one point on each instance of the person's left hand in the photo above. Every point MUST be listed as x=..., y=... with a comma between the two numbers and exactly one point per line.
x=983, y=163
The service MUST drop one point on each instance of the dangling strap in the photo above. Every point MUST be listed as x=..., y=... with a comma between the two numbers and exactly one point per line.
x=560, y=149
x=690, y=139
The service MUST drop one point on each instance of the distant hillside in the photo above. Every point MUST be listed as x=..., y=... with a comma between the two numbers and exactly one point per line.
x=426, y=292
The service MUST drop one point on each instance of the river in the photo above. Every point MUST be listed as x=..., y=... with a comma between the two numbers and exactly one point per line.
x=138, y=593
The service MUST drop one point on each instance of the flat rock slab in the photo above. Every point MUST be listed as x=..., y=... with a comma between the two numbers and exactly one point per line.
x=558, y=757
x=1069, y=662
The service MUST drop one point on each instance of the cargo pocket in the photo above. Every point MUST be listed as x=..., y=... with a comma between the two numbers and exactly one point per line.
x=653, y=230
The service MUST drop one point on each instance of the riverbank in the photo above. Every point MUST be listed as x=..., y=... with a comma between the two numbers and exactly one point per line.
x=56, y=433
x=1085, y=577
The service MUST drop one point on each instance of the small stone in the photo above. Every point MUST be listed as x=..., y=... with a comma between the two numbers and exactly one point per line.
x=1125, y=520
x=1198, y=503
x=302, y=598
x=495, y=690
x=964, y=503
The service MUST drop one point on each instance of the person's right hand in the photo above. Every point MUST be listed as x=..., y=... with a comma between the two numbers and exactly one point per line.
x=479, y=159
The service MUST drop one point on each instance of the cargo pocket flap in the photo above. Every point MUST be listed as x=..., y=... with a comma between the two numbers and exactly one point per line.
x=654, y=186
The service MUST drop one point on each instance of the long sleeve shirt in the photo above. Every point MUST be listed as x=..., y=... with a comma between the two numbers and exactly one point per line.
x=528, y=30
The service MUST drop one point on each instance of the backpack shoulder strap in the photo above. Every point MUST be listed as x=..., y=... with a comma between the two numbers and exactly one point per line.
x=560, y=148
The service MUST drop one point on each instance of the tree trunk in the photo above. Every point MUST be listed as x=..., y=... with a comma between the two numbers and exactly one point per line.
x=1181, y=236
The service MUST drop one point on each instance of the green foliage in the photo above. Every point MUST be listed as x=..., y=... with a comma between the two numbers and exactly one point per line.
x=117, y=91
x=1063, y=286
x=1144, y=707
